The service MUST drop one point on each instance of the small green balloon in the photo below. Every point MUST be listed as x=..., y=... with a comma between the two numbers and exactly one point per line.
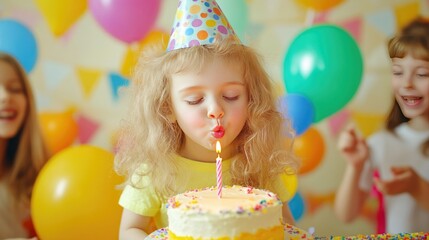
x=325, y=64
x=236, y=11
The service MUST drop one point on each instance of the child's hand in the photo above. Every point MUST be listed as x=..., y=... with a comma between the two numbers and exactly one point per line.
x=353, y=147
x=405, y=179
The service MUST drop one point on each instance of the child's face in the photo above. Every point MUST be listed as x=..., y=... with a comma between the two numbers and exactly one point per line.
x=13, y=102
x=410, y=81
x=203, y=101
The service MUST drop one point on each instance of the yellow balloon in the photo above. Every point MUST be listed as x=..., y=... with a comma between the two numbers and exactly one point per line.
x=290, y=181
x=61, y=15
x=133, y=51
x=75, y=196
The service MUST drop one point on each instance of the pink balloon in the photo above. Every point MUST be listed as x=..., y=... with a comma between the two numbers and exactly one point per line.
x=126, y=20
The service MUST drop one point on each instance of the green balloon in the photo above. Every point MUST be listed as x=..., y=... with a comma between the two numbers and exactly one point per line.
x=323, y=63
x=236, y=11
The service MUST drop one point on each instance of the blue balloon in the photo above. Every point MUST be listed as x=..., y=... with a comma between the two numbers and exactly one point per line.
x=297, y=207
x=18, y=41
x=299, y=109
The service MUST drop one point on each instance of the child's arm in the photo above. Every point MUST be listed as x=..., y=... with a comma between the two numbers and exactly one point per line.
x=133, y=226
x=350, y=198
x=287, y=215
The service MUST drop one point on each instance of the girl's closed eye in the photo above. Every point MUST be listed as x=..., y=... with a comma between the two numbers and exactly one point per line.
x=15, y=89
x=422, y=74
x=194, y=101
x=231, y=98
x=396, y=70
x=232, y=94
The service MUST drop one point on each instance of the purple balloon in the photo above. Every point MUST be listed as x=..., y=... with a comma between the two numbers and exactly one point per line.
x=126, y=20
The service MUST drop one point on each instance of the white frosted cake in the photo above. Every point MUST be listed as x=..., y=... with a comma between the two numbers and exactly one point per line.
x=241, y=213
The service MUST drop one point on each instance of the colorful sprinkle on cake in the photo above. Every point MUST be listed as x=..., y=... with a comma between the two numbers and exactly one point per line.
x=241, y=213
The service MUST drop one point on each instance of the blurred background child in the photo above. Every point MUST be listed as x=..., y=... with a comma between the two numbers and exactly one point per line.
x=400, y=152
x=22, y=149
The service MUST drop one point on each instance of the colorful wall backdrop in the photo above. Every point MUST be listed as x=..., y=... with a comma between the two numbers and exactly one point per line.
x=80, y=56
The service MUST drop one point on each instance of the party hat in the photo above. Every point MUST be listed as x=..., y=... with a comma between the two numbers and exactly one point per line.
x=199, y=22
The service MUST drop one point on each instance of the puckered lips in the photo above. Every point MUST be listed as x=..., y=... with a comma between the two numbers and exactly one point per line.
x=218, y=132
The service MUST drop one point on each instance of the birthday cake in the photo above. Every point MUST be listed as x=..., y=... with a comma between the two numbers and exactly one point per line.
x=240, y=213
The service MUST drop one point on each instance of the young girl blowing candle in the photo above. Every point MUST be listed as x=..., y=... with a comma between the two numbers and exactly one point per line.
x=206, y=87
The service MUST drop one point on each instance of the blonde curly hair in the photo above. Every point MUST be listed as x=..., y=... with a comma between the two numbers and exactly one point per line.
x=149, y=138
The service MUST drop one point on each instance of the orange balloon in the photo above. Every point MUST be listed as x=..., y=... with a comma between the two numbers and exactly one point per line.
x=310, y=148
x=133, y=52
x=75, y=196
x=319, y=5
x=59, y=129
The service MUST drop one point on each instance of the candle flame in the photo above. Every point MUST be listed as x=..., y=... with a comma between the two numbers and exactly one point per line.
x=218, y=148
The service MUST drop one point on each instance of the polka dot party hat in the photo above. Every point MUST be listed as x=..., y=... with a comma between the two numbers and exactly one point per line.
x=199, y=22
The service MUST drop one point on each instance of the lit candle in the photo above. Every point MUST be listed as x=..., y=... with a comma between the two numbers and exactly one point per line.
x=219, y=170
